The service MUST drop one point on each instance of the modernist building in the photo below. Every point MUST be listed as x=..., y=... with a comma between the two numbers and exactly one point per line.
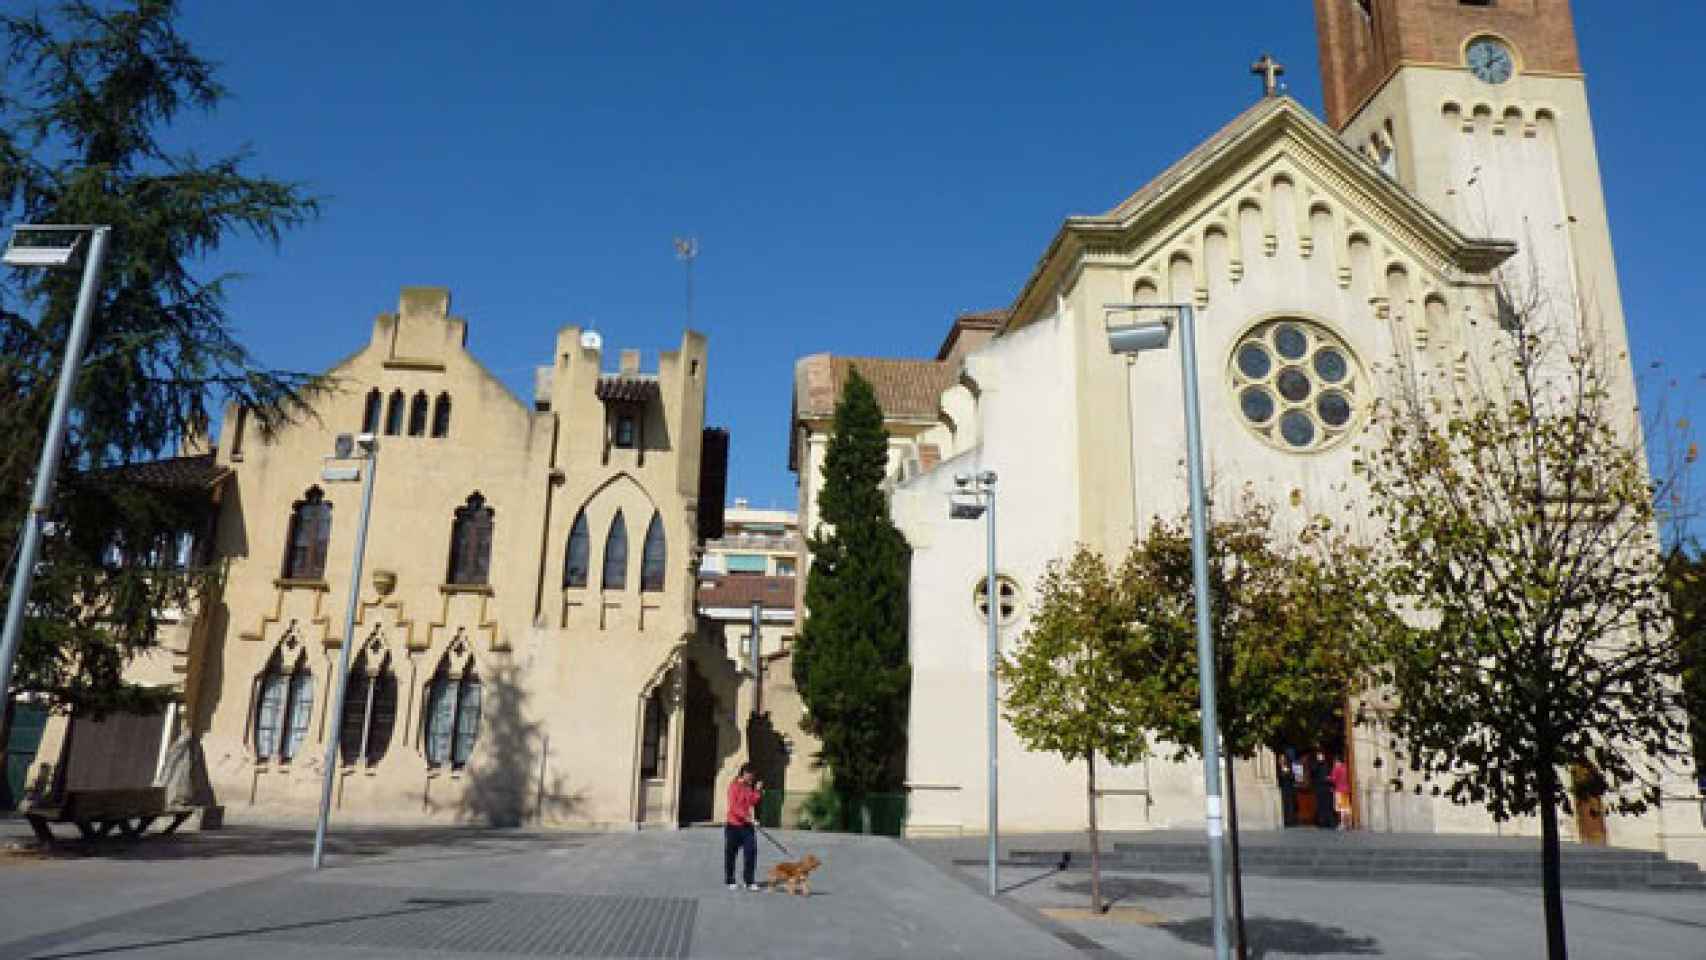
x=527, y=635
x=1457, y=145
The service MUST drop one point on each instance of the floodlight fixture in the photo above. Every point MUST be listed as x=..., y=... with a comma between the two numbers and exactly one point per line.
x=45, y=245
x=1138, y=336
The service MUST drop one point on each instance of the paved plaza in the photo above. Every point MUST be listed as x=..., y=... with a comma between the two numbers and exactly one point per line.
x=415, y=892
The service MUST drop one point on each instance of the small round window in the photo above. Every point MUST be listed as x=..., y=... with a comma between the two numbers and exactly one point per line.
x=1296, y=384
x=1007, y=590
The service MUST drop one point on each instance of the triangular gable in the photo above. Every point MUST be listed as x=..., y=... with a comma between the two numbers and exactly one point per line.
x=1273, y=123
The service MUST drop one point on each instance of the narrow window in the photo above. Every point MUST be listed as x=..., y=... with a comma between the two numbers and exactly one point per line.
x=441, y=416
x=237, y=433
x=625, y=432
x=301, y=707
x=579, y=554
x=370, y=710
x=652, y=557
x=394, y=414
x=310, y=532
x=452, y=717
x=370, y=415
x=616, y=555
x=652, y=740
x=418, y=415
x=284, y=704
x=471, y=542
x=269, y=710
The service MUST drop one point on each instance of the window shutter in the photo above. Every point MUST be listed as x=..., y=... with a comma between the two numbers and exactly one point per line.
x=357, y=687
x=301, y=706
x=268, y=713
x=384, y=714
x=467, y=720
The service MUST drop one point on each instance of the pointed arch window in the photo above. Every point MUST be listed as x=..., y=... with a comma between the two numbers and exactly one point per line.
x=452, y=716
x=309, y=534
x=284, y=702
x=441, y=416
x=394, y=414
x=652, y=739
x=653, y=557
x=471, y=543
x=370, y=707
x=418, y=415
x=370, y=413
x=616, y=555
x=578, y=558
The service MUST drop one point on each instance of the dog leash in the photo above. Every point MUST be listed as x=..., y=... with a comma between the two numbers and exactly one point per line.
x=785, y=851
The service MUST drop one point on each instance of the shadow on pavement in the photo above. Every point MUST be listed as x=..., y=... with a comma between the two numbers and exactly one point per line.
x=1115, y=889
x=435, y=843
x=1280, y=936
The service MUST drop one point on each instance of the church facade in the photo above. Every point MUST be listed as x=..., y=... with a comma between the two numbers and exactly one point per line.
x=1457, y=155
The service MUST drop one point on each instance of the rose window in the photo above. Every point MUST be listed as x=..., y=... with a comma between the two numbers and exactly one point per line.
x=1297, y=384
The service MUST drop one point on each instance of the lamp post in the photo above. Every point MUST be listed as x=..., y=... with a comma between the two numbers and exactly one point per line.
x=360, y=449
x=45, y=246
x=1134, y=338
x=975, y=497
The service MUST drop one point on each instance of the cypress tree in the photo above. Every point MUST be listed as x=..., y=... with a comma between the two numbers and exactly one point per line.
x=851, y=660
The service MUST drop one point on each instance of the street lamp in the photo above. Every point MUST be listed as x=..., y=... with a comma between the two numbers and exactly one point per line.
x=974, y=497
x=349, y=452
x=45, y=246
x=1139, y=336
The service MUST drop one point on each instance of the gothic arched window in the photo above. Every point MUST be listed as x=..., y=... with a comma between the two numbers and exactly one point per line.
x=418, y=415
x=578, y=557
x=284, y=701
x=441, y=416
x=370, y=708
x=616, y=555
x=370, y=413
x=471, y=543
x=653, y=556
x=310, y=532
x=394, y=414
x=452, y=716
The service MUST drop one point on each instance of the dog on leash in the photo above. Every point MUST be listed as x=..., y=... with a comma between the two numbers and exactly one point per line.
x=794, y=875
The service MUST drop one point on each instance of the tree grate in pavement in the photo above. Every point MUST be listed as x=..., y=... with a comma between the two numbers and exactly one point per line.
x=342, y=915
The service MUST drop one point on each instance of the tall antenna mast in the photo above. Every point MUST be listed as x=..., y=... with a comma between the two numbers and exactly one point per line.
x=687, y=250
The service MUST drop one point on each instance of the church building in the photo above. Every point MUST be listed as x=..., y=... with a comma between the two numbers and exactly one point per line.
x=1457, y=151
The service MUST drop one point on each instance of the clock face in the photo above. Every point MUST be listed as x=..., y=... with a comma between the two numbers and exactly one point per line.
x=1490, y=60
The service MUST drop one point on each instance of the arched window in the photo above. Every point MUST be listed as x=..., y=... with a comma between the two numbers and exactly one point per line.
x=310, y=532
x=452, y=716
x=418, y=415
x=441, y=416
x=652, y=557
x=616, y=555
x=394, y=414
x=652, y=739
x=578, y=558
x=471, y=542
x=370, y=708
x=370, y=414
x=284, y=702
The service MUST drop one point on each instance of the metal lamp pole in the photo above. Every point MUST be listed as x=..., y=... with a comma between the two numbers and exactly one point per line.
x=1137, y=338
x=982, y=487
x=47, y=471
x=370, y=456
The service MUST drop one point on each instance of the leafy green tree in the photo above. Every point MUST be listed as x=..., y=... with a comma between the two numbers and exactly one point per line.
x=87, y=92
x=850, y=663
x=1517, y=515
x=1685, y=584
x=1068, y=687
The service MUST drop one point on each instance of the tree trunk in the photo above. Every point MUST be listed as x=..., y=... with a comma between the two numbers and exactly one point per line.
x=1237, y=881
x=1551, y=879
x=1095, y=844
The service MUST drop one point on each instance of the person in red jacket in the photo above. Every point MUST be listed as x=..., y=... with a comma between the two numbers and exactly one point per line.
x=739, y=834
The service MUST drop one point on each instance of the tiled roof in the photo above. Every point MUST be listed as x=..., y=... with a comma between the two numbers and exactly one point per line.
x=627, y=388
x=735, y=590
x=905, y=389
x=199, y=472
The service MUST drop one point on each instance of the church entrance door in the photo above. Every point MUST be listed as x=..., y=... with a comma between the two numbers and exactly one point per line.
x=698, y=748
x=1304, y=765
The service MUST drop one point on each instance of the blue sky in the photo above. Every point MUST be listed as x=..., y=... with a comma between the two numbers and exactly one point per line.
x=855, y=176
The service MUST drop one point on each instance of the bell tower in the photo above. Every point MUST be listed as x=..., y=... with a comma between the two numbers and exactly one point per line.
x=1479, y=107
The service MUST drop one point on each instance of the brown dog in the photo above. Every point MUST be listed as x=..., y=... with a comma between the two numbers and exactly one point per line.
x=794, y=875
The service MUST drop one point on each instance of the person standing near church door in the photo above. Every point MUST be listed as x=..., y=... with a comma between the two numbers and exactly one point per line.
x=740, y=835
x=1342, y=793
x=1321, y=779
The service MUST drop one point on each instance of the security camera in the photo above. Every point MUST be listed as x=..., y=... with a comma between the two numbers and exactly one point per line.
x=962, y=479
x=368, y=441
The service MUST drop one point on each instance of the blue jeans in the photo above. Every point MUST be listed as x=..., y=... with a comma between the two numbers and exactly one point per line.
x=745, y=840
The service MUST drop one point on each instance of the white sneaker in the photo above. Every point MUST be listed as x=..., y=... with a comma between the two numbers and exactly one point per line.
x=753, y=886
x=734, y=886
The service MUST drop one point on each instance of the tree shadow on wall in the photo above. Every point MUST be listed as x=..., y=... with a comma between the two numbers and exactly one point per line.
x=1271, y=936
x=769, y=759
x=511, y=782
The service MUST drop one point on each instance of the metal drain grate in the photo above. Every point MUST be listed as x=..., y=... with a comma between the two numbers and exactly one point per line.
x=339, y=915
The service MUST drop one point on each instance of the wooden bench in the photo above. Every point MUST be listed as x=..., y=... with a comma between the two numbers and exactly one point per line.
x=98, y=812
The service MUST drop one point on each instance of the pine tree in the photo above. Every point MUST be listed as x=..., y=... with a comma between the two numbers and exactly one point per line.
x=85, y=97
x=851, y=661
